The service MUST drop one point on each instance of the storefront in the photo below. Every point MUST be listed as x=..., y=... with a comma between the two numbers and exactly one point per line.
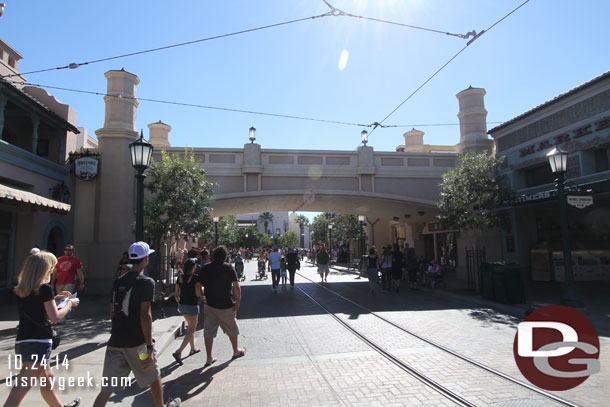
x=578, y=122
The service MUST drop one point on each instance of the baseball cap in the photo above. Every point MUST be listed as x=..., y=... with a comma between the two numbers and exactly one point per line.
x=139, y=250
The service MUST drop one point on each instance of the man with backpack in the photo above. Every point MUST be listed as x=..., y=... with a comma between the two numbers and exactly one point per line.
x=131, y=345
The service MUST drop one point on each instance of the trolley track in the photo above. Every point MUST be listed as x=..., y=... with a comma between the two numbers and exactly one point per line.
x=418, y=373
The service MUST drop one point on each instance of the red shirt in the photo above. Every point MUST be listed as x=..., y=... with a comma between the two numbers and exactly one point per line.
x=66, y=269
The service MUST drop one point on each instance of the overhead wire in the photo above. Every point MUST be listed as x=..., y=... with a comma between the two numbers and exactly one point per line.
x=229, y=109
x=476, y=36
x=333, y=12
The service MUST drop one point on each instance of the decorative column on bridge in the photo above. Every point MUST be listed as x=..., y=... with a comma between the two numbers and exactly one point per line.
x=252, y=167
x=473, y=122
x=114, y=214
x=366, y=173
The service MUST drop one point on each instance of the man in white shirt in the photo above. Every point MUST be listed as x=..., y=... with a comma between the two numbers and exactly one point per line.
x=275, y=258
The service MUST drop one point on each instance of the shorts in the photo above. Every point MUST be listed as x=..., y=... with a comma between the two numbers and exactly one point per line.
x=283, y=273
x=186, y=309
x=323, y=268
x=119, y=362
x=34, y=352
x=373, y=274
x=65, y=287
x=215, y=317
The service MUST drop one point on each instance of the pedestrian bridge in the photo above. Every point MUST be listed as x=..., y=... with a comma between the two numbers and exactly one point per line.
x=362, y=182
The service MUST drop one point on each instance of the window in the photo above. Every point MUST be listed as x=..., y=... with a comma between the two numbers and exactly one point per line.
x=601, y=160
x=538, y=175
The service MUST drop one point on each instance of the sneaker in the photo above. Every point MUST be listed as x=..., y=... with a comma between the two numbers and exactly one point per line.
x=73, y=403
x=174, y=403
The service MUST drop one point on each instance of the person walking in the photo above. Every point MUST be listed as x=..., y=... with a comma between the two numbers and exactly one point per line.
x=385, y=265
x=323, y=261
x=68, y=267
x=37, y=309
x=412, y=266
x=187, y=297
x=217, y=279
x=292, y=264
x=283, y=272
x=274, y=264
x=373, y=272
x=397, y=263
x=131, y=345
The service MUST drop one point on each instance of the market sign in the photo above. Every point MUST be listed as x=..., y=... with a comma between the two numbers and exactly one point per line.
x=85, y=168
x=575, y=134
x=580, y=201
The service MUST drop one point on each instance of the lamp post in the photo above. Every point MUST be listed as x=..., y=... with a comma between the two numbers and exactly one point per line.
x=252, y=136
x=215, y=219
x=364, y=137
x=361, y=219
x=330, y=237
x=141, y=152
x=558, y=159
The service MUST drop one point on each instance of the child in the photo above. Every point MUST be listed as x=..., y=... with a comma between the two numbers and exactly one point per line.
x=283, y=271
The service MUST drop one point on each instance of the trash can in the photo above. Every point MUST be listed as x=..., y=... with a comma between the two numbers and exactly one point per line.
x=507, y=283
x=487, y=288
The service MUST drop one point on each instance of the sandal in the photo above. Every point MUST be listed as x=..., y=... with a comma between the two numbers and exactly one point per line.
x=194, y=351
x=177, y=357
x=209, y=363
x=242, y=352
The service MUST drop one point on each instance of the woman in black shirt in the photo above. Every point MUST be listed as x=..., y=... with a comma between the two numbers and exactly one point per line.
x=187, y=298
x=37, y=309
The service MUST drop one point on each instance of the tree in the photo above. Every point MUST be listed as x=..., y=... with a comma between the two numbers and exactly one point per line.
x=303, y=221
x=472, y=194
x=266, y=217
x=228, y=231
x=289, y=239
x=181, y=197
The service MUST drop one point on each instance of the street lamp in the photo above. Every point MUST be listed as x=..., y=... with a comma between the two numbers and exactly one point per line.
x=252, y=135
x=361, y=219
x=364, y=137
x=330, y=237
x=141, y=152
x=216, y=219
x=558, y=159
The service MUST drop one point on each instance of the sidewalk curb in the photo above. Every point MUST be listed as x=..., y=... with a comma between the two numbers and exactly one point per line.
x=169, y=331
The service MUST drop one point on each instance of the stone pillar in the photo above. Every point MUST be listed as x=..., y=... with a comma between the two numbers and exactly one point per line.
x=473, y=122
x=159, y=134
x=414, y=141
x=35, y=125
x=3, y=100
x=115, y=214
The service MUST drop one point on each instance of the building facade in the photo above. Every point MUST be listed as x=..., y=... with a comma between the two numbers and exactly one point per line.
x=36, y=189
x=578, y=122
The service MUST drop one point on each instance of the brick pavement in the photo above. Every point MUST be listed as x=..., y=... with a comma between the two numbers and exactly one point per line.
x=297, y=355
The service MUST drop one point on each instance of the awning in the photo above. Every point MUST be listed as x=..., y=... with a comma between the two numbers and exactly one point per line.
x=30, y=198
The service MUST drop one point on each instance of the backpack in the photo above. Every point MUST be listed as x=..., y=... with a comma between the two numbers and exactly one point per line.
x=121, y=294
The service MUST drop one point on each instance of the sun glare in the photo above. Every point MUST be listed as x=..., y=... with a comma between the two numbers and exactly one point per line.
x=343, y=59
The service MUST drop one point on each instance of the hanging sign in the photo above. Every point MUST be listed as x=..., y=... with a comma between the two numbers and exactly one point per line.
x=580, y=201
x=85, y=168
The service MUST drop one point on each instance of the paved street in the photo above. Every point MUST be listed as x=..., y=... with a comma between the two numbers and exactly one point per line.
x=297, y=354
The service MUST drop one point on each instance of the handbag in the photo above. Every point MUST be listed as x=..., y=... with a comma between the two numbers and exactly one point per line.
x=55, y=338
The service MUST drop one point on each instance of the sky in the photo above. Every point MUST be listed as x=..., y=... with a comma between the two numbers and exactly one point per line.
x=334, y=68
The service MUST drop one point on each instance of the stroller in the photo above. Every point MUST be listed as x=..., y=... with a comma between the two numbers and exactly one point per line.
x=261, y=275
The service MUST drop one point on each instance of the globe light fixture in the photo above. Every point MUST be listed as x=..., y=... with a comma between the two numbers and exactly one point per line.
x=141, y=153
x=364, y=137
x=558, y=160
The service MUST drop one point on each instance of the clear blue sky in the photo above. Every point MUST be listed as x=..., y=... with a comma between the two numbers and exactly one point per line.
x=545, y=48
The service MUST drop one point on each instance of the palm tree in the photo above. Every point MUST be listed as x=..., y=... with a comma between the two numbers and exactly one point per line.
x=302, y=220
x=266, y=217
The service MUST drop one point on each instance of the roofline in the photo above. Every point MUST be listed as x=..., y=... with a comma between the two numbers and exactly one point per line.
x=69, y=126
x=555, y=100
